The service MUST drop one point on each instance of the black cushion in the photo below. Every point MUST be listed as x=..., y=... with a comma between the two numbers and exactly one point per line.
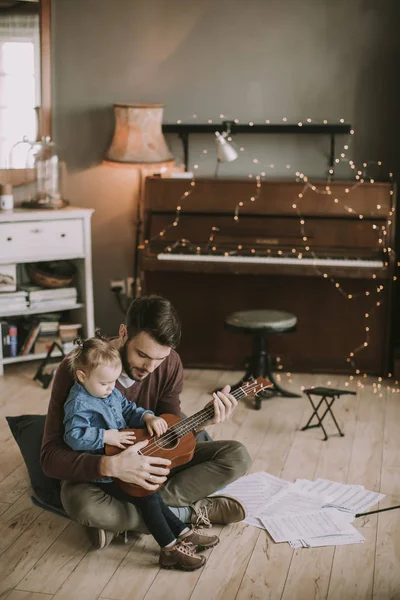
x=28, y=433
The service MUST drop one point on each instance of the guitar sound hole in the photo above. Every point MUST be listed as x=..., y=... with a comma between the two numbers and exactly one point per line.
x=168, y=440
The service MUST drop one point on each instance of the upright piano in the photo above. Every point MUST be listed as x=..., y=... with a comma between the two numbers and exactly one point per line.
x=323, y=253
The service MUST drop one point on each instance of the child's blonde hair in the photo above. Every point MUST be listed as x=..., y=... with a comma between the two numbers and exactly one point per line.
x=91, y=353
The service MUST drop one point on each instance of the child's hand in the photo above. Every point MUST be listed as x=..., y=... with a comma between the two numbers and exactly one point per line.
x=155, y=424
x=121, y=439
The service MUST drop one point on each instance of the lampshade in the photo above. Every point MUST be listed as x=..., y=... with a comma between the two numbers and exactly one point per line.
x=138, y=136
x=225, y=151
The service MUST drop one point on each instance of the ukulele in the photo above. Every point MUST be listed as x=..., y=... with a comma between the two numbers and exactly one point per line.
x=178, y=442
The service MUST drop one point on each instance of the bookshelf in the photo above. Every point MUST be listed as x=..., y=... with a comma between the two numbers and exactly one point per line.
x=42, y=235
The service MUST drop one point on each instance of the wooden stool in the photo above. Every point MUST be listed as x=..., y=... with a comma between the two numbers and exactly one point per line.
x=261, y=324
x=325, y=392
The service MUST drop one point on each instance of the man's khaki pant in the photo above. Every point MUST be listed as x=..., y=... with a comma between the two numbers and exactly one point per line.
x=213, y=466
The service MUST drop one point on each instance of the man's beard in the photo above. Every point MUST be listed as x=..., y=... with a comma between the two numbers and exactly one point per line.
x=125, y=364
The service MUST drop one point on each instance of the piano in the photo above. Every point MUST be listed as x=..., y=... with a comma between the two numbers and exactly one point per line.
x=324, y=253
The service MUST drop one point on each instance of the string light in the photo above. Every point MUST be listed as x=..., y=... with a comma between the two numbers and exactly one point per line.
x=360, y=178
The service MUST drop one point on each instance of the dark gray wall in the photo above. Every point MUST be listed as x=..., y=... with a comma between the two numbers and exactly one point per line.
x=251, y=60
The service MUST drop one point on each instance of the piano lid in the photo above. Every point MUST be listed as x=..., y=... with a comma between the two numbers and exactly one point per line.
x=273, y=197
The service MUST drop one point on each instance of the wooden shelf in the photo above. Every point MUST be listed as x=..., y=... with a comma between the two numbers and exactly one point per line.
x=304, y=128
x=185, y=129
x=19, y=359
x=39, y=311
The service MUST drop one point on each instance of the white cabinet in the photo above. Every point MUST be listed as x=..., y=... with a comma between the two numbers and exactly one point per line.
x=42, y=235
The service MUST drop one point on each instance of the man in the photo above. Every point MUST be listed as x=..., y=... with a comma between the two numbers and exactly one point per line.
x=153, y=378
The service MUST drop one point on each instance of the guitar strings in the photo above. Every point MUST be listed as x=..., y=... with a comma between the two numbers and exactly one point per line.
x=204, y=414
x=207, y=412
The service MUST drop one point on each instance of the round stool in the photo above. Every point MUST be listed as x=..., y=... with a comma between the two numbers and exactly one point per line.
x=261, y=324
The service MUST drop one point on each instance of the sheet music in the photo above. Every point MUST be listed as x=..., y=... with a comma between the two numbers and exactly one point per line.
x=254, y=490
x=316, y=523
x=341, y=539
x=306, y=513
x=352, y=498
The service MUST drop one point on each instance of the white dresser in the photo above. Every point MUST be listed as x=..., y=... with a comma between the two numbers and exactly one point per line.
x=42, y=235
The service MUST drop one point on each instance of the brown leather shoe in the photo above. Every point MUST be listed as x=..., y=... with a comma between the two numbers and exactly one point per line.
x=218, y=509
x=200, y=541
x=100, y=538
x=181, y=556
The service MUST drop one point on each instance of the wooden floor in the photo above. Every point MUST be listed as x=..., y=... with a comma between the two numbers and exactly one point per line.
x=45, y=557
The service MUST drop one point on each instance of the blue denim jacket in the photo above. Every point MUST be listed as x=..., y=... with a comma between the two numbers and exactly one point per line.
x=86, y=418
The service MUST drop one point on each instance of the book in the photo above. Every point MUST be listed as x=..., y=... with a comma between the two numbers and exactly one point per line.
x=30, y=339
x=13, y=308
x=44, y=344
x=6, y=296
x=5, y=338
x=69, y=331
x=13, y=301
x=37, y=293
x=13, y=335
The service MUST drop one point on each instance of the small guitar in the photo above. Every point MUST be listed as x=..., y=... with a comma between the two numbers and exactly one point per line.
x=178, y=442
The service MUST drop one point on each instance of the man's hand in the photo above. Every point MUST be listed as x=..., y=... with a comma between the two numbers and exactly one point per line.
x=224, y=405
x=147, y=471
x=155, y=425
x=121, y=439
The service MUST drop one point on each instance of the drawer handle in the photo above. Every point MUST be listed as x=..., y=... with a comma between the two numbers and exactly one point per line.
x=36, y=230
x=9, y=239
x=63, y=234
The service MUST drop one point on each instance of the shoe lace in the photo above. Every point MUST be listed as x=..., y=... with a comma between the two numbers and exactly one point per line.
x=186, y=548
x=202, y=517
x=199, y=531
x=124, y=533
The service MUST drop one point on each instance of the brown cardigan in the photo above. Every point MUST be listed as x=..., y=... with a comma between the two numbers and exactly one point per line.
x=159, y=392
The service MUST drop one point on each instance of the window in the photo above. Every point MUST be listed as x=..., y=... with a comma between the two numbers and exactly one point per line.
x=19, y=88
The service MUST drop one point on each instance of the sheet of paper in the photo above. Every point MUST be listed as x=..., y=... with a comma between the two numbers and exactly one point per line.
x=291, y=500
x=296, y=544
x=352, y=498
x=306, y=525
x=357, y=502
x=334, y=540
x=254, y=522
x=254, y=490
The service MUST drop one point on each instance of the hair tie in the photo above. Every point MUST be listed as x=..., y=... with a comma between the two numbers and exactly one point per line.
x=79, y=342
x=99, y=335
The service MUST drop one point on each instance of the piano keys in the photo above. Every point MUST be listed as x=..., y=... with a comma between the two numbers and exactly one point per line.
x=275, y=260
x=322, y=257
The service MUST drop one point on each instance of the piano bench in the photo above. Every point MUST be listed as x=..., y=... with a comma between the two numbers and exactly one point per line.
x=327, y=395
x=261, y=324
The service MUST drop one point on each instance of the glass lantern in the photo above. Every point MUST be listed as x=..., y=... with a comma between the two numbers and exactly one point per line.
x=43, y=158
x=42, y=172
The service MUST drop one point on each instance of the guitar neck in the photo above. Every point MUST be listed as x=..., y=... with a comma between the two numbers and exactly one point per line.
x=198, y=419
